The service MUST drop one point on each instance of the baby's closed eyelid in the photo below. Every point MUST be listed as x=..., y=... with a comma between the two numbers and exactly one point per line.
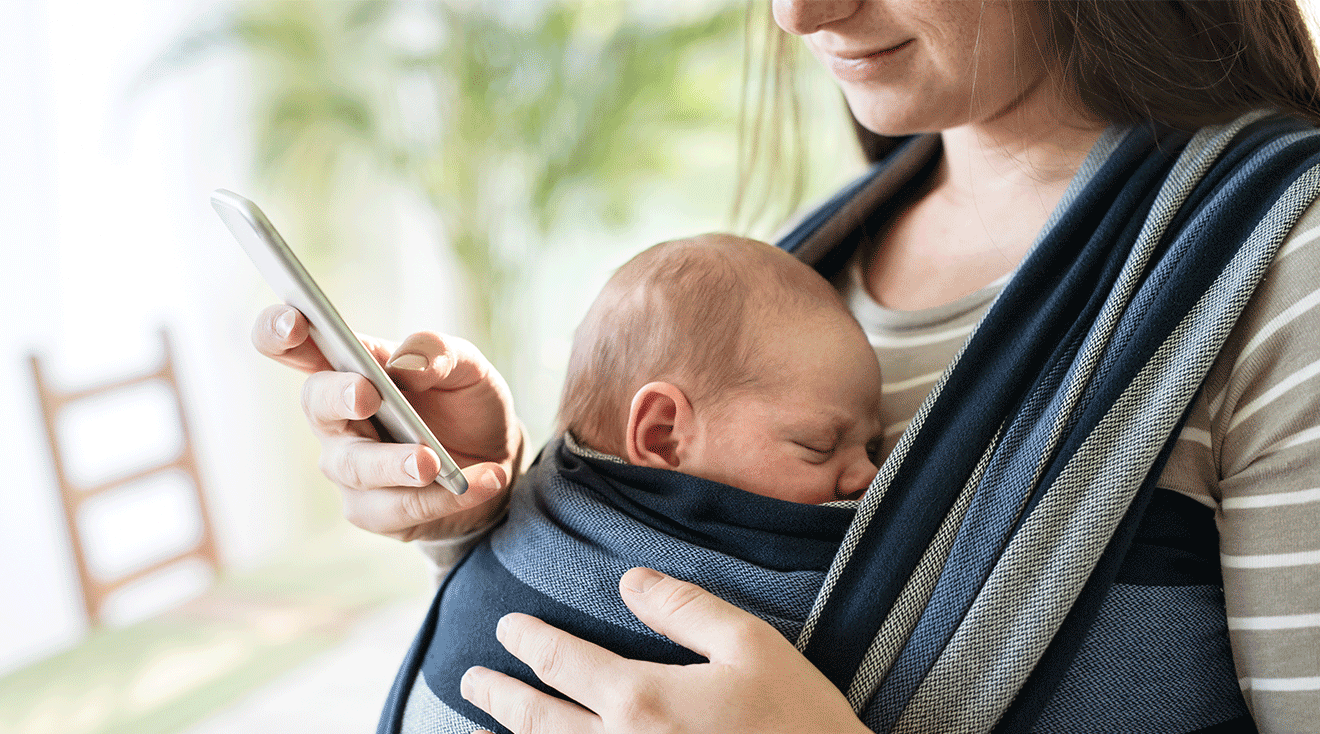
x=818, y=444
x=815, y=449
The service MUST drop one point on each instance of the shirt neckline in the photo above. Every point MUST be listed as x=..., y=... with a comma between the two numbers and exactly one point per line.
x=870, y=311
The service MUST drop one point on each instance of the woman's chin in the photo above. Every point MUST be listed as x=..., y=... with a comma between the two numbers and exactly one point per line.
x=890, y=127
x=891, y=117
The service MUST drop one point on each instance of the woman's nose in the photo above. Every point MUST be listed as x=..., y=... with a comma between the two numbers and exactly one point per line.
x=803, y=17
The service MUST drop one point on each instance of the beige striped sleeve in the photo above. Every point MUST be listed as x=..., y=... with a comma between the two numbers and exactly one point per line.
x=1251, y=451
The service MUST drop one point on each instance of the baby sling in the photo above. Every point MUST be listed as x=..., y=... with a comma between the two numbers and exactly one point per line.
x=1008, y=568
x=576, y=523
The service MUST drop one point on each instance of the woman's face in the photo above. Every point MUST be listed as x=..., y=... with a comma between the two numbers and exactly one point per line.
x=909, y=66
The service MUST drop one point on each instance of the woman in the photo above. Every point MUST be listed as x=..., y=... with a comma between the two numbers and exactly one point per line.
x=1043, y=114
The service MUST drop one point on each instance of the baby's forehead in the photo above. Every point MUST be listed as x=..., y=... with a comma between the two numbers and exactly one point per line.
x=791, y=420
x=790, y=325
x=819, y=350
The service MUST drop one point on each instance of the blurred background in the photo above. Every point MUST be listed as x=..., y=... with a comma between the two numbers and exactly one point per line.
x=171, y=559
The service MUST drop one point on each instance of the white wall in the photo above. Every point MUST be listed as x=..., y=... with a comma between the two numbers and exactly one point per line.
x=38, y=607
x=106, y=235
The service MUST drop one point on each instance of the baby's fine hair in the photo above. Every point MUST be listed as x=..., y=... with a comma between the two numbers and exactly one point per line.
x=691, y=312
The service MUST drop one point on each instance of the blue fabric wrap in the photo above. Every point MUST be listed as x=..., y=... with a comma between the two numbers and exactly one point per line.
x=1011, y=368
x=1176, y=547
x=1034, y=325
x=766, y=555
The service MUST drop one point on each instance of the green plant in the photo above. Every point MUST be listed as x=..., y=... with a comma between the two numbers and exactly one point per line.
x=502, y=116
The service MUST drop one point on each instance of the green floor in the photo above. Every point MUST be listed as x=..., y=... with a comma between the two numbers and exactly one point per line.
x=165, y=674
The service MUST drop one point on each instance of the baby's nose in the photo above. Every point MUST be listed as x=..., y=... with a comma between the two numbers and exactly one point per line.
x=857, y=477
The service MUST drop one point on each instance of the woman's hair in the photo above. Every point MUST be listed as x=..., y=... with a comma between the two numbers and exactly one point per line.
x=690, y=312
x=770, y=138
x=1180, y=63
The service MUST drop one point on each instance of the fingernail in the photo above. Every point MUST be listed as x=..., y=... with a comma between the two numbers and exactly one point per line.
x=410, y=361
x=491, y=480
x=350, y=398
x=410, y=468
x=465, y=684
x=284, y=324
x=640, y=580
x=502, y=627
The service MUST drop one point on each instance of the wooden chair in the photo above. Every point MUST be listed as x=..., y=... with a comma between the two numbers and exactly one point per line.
x=95, y=589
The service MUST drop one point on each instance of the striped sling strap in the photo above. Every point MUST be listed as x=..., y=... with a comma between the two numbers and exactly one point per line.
x=993, y=531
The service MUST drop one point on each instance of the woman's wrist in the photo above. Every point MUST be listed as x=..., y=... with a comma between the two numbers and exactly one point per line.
x=522, y=458
x=441, y=554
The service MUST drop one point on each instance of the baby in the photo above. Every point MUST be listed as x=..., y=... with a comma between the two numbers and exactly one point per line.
x=721, y=404
x=727, y=359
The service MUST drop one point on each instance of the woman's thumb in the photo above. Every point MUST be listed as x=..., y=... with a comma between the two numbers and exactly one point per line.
x=687, y=613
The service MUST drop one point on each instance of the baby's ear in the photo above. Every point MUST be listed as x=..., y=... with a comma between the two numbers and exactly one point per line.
x=657, y=425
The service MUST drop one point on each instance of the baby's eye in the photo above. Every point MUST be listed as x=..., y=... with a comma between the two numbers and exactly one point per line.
x=817, y=452
x=873, y=450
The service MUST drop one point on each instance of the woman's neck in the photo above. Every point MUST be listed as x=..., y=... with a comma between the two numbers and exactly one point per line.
x=1033, y=148
x=996, y=185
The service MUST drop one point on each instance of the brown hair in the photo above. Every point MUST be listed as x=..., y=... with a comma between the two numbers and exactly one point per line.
x=1181, y=63
x=770, y=136
x=680, y=312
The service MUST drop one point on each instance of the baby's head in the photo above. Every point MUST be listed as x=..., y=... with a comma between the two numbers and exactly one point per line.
x=727, y=359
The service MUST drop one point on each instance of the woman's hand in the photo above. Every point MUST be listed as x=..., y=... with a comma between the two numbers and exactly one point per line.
x=387, y=488
x=755, y=683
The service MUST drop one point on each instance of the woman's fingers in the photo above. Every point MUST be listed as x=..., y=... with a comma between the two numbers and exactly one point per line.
x=389, y=488
x=332, y=399
x=398, y=512
x=357, y=462
x=280, y=332
x=381, y=493
x=426, y=360
x=463, y=400
x=690, y=615
x=601, y=680
x=581, y=670
x=485, y=480
x=755, y=683
x=524, y=709
x=360, y=463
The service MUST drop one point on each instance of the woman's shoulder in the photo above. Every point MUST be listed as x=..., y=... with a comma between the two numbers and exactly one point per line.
x=1255, y=426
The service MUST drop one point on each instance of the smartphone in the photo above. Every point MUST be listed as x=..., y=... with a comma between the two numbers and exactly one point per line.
x=396, y=420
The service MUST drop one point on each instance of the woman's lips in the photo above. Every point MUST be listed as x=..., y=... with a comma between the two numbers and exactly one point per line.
x=861, y=68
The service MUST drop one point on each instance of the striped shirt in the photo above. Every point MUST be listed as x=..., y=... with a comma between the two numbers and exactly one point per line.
x=1250, y=450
